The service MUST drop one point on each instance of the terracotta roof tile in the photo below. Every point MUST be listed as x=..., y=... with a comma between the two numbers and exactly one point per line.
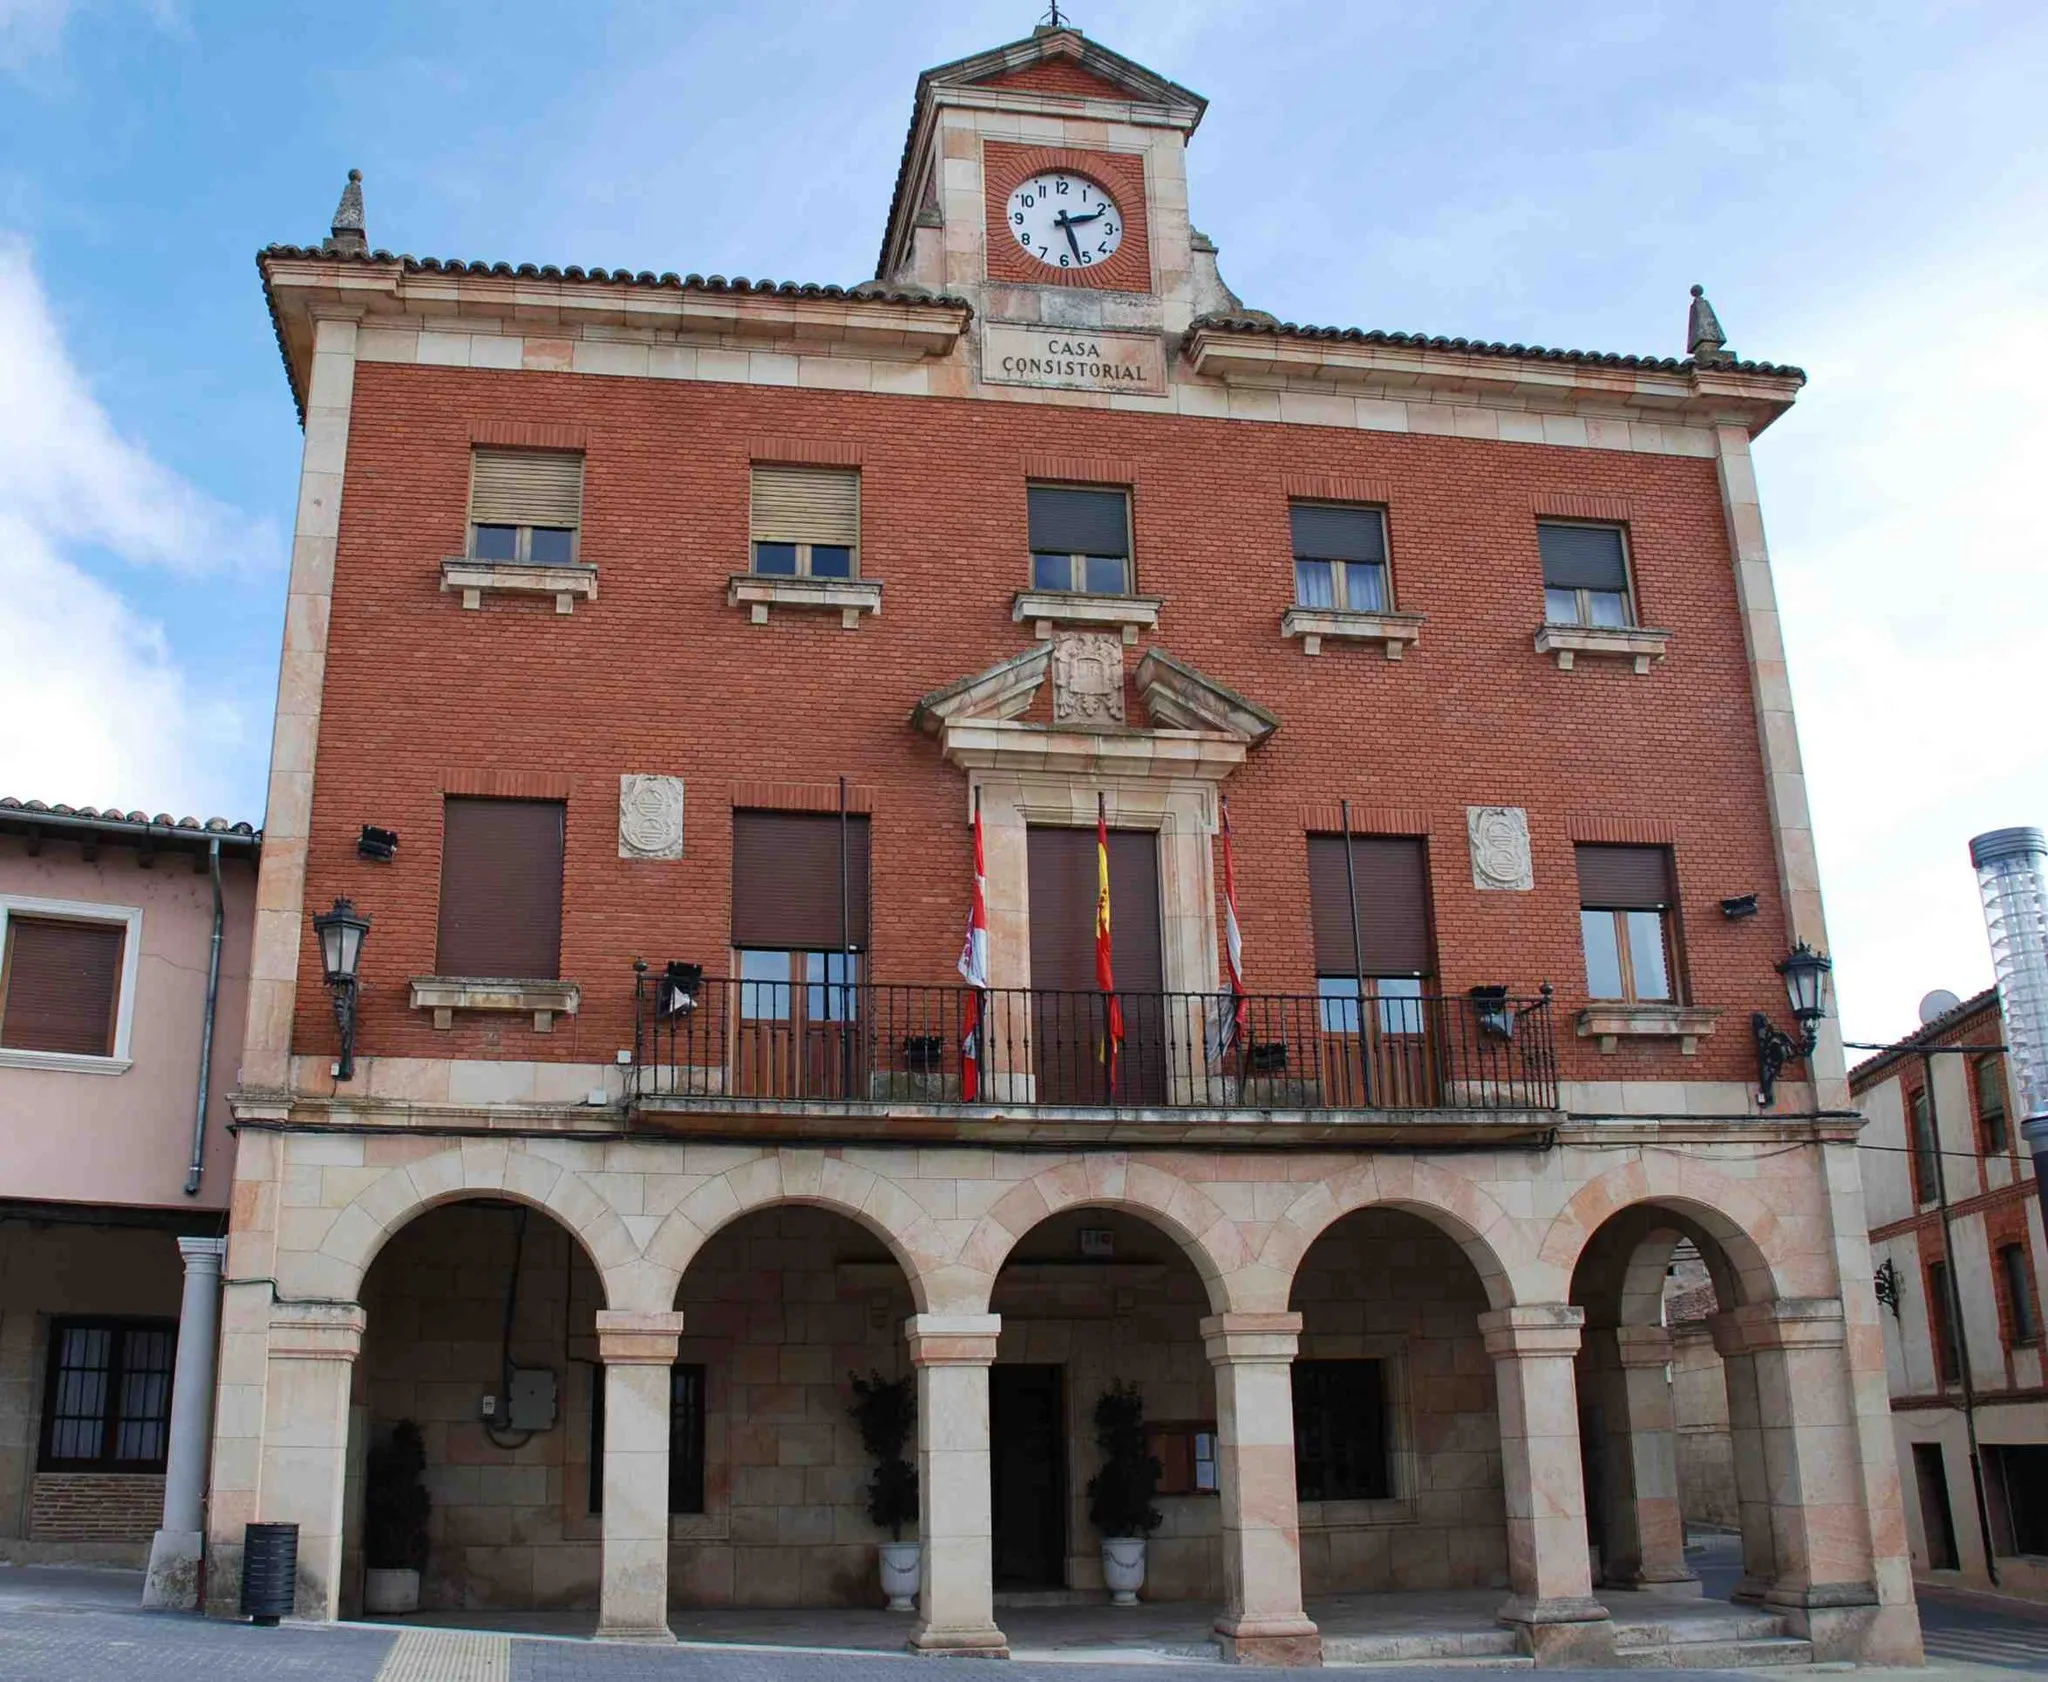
x=11, y=807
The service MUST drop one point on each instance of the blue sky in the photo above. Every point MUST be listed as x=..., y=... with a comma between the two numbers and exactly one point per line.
x=1860, y=188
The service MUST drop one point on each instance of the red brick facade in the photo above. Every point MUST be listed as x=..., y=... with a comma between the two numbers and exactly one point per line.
x=95, y=1506
x=660, y=675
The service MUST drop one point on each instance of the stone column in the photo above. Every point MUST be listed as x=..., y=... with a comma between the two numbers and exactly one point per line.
x=1646, y=1457
x=1263, y=1622
x=638, y=1351
x=1552, y=1606
x=173, y=1580
x=1746, y=1442
x=313, y=1348
x=956, y=1603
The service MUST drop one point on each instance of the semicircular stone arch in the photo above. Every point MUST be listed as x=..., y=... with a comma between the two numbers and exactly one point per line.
x=783, y=1178
x=474, y=1168
x=1210, y=1239
x=1497, y=1245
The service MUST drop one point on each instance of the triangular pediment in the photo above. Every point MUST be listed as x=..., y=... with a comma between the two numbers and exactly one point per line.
x=1064, y=61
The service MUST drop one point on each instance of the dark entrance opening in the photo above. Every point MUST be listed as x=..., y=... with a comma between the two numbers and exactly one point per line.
x=1935, y=1517
x=1069, y=1012
x=1028, y=1476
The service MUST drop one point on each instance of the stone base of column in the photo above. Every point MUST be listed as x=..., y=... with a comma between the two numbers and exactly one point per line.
x=1750, y=1591
x=1562, y=1634
x=1676, y=1582
x=639, y=1635
x=1269, y=1641
x=173, y=1581
x=985, y=1642
x=1840, y=1620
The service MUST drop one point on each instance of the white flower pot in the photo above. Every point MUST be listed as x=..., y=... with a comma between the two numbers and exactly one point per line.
x=902, y=1571
x=1123, y=1568
x=386, y=1592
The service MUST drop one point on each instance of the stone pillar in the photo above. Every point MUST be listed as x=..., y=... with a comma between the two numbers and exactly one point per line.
x=313, y=1348
x=1646, y=1459
x=1262, y=1622
x=638, y=1351
x=174, y=1554
x=1824, y=1587
x=1746, y=1443
x=956, y=1604
x=1552, y=1606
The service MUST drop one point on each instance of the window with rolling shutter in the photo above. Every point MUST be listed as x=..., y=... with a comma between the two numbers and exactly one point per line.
x=806, y=521
x=525, y=505
x=1080, y=539
x=785, y=882
x=1626, y=899
x=501, y=889
x=1585, y=574
x=1392, y=883
x=1340, y=557
x=60, y=985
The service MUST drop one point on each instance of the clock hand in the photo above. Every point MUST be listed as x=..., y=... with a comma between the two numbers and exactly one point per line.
x=1065, y=224
x=1090, y=217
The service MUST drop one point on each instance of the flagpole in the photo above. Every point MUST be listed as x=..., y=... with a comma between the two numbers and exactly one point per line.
x=1357, y=953
x=845, y=956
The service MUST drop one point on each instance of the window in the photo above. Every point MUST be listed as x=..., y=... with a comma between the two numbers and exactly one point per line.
x=786, y=876
x=1920, y=1122
x=1340, y=1431
x=1987, y=1076
x=1941, y=1325
x=806, y=522
x=685, y=1438
x=107, y=1395
x=525, y=506
x=1186, y=1453
x=501, y=889
x=1340, y=557
x=1080, y=540
x=1389, y=881
x=1625, y=904
x=1585, y=575
x=2014, y=1276
x=60, y=984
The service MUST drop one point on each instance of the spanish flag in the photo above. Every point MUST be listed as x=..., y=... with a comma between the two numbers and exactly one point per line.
x=1105, y=968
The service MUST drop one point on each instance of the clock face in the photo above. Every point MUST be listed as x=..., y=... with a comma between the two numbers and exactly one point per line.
x=1064, y=220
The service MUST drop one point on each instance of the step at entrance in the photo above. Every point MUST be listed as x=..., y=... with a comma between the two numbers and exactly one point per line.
x=1696, y=1638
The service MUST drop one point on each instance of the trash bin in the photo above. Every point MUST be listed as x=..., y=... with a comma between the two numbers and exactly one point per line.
x=270, y=1571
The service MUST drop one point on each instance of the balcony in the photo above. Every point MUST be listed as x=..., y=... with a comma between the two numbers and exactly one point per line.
x=889, y=1062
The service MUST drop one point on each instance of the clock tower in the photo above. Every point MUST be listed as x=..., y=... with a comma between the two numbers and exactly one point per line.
x=1046, y=182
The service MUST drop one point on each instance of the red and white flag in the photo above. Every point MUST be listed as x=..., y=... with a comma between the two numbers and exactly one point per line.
x=1234, y=1021
x=973, y=967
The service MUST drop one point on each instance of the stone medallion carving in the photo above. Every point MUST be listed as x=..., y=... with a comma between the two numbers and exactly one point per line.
x=1500, y=847
x=1088, y=679
x=650, y=817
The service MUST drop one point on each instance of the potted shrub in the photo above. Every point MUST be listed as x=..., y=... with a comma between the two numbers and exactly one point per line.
x=885, y=1411
x=1120, y=1495
x=395, y=1506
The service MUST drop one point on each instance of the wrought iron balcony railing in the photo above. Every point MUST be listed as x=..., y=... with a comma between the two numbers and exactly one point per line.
x=723, y=1040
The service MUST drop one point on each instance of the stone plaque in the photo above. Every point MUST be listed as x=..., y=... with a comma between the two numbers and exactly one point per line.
x=1072, y=358
x=1088, y=678
x=1500, y=847
x=650, y=817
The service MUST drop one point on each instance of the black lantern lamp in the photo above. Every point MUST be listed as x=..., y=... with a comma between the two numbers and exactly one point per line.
x=1805, y=972
x=341, y=933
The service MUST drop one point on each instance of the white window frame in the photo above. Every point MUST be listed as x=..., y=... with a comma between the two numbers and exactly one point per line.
x=129, y=919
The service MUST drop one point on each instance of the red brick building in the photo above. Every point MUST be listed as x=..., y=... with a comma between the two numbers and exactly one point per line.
x=687, y=622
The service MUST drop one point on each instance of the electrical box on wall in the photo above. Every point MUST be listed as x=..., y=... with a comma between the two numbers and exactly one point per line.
x=529, y=1405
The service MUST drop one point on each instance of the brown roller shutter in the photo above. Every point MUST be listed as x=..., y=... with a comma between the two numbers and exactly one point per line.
x=1625, y=878
x=501, y=889
x=525, y=488
x=63, y=981
x=785, y=881
x=1063, y=883
x=806, y=505
x=1393, y=905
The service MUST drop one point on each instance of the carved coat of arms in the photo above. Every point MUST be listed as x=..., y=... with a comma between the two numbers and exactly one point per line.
x=1088, y=679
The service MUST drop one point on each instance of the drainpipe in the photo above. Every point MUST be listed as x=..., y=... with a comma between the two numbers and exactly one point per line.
x=194, y=1173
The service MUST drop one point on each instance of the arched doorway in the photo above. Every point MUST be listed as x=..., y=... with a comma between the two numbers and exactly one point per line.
x=482, y=1301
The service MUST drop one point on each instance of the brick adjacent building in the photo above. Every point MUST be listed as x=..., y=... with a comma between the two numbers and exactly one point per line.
x=678, y=628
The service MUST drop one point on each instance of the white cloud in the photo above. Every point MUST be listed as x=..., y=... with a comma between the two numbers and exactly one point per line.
x=94, y=709
x=29, y=29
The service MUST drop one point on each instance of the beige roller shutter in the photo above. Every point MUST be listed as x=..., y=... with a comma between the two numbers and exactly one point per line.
x=526, y=488
x=807, y=505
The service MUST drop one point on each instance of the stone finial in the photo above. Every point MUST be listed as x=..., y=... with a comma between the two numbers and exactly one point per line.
x=1704, y=340
x=346, y=237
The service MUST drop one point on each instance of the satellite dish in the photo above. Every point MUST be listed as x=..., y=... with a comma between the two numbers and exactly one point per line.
x=1937, y=1003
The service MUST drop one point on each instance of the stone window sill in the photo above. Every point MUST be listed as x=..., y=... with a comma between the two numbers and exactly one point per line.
x=847, y=597
x=1612, y=1023
x=1617, y=642
x=66, y=1062
x=1044, y=609
x=444, y=995
x=1316, y=624
x=476, y=579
